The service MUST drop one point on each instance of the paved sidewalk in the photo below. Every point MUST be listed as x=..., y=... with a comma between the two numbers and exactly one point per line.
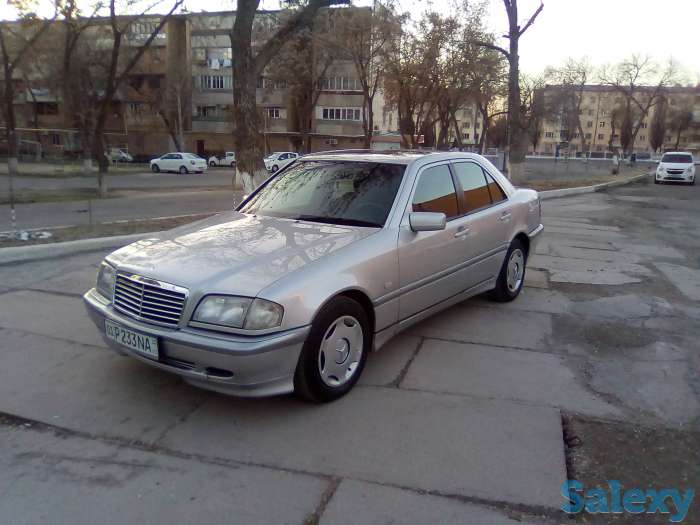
x=459, y=420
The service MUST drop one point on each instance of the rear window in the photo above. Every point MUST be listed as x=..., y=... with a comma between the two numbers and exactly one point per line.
x=677, y=158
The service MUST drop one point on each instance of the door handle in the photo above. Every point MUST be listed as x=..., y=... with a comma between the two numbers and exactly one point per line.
x=505, y=217
x=463, y=232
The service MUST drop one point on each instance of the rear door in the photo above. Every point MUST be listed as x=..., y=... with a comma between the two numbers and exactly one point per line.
x=486, y=209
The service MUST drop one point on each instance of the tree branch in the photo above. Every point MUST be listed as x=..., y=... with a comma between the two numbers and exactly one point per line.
x=491, y=46
x=532, y=19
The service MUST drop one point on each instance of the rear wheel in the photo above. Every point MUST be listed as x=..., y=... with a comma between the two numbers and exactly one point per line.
x=335, y=351
x=183, y=170
x=274, y=168
x=155, y=168
x=512, y=277
x=212, y=164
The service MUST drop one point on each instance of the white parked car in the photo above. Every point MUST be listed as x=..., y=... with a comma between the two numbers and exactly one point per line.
x=278, y=160
x=677, y=166
x=179, y=162
x=227, y=159
x=119, y=155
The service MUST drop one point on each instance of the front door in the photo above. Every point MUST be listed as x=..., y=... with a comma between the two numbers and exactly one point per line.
x=429, y=262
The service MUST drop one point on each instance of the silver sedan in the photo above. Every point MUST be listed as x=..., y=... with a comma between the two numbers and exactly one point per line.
x=326, y=261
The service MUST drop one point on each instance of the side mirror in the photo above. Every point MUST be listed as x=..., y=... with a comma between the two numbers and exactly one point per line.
x=424, y=221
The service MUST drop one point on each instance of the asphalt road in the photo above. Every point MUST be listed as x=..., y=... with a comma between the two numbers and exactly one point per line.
x=457, y=421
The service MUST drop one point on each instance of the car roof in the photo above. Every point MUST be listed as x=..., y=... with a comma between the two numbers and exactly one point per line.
x=678, y=153
x=389, y=156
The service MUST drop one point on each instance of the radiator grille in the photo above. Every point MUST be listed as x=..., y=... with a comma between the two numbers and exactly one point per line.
x=149, y=300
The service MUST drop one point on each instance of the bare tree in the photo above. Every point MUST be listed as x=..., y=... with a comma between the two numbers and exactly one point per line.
x=568, y=96
x=92, y=75
x=249, y=64
x=641, y=83
x=657, y=134
x=364, y=36
x=680, y=119
x=16, y=43
x=516, y=149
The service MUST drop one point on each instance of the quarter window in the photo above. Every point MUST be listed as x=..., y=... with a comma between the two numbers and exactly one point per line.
x=495, y=190
x=473, y=181
x=436, y=192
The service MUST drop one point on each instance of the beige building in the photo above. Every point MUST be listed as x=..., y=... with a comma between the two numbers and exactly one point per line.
x=601, y=126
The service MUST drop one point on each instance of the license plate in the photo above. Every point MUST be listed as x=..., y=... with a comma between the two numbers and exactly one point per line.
x=143, y=344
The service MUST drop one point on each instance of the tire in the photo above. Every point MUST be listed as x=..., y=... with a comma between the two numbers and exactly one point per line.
x=508, y=288
x=233, y=164
x=212, y=164
x=342, y=323
x=274, y=168
x=183, y=170
x=656, y=181
x=155, y=168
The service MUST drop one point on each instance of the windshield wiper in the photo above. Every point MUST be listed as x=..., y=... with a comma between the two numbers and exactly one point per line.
x=338, y=220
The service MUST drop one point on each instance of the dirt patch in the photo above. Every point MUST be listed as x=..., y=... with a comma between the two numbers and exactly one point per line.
x=602, y=336
x=638, y=457
x=73, y=233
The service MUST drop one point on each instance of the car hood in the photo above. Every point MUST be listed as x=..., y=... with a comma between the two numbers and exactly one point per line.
x=233, y=252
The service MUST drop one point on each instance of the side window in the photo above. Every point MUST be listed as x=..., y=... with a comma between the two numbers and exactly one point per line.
x=497, y=193
x=436, y=192
x=177, y=156
x=473, y=181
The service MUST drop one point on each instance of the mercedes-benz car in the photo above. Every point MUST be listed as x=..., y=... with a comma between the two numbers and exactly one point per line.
x=324, y=262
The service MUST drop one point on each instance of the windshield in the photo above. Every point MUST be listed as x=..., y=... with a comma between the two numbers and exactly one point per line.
x=677, y=158
x=335, y=192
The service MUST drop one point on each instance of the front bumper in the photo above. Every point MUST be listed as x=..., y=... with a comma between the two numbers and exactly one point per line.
x=681, y=177
x=249, y=366
x=534, y=236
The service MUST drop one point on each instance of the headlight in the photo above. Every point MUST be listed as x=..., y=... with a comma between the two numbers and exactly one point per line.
x=238, y=312
x=689, y=169
x=106, y=278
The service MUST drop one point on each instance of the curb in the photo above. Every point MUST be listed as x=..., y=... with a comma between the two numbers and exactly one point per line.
x=17, y=254
x=565, y=192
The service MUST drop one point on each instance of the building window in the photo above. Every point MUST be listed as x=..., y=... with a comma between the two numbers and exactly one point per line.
x=601, y=136
x=588, y=135
x=273, y=113
x=643, y=125
x=602, y=124
x=576, y=136
x=207, y=111
x=589, y=124
x=340, y=83
x=341, y=114
x=590, y=112
x=215, y=82
x=642, y=137
x=56, y=139
x=135, y=108
x=549, y=134
x=466, y=136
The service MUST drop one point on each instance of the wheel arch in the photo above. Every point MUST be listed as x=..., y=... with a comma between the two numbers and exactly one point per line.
x=358, y=296
x=525, y=240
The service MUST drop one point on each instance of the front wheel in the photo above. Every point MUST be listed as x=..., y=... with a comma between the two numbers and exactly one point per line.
x=274, y=168
x=512, y=276
x=183, y=170
x=212, y=164
x=155, y=168
x=335, y=351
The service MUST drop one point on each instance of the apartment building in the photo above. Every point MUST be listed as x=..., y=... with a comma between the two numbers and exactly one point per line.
x=600, y=121
x=190, y=65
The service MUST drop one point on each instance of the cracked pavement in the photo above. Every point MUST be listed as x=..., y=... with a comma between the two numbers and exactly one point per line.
x=458, y=420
